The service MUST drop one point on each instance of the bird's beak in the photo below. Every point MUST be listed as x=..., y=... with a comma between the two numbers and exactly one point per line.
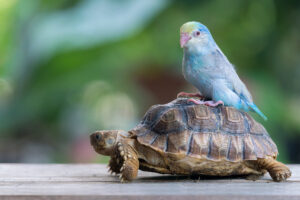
x=184, y=38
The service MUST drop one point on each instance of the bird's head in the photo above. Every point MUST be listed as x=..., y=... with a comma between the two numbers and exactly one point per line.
x=194, y=33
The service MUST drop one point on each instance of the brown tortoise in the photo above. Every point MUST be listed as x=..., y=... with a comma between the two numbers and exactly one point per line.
x=188, y=139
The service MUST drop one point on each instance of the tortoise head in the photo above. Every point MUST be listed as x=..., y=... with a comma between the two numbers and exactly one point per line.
x=104, y=141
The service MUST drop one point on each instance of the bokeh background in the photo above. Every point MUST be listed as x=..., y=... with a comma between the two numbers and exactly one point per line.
x=70, y=67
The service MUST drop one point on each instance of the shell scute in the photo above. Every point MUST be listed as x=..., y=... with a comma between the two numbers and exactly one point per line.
x=235, y=151
x=249, y=153
x=201, y=118
x=200, y=144
x=178, y=142
x=152, y=114
x=218, y=146
x=232, y=121
x=258, y=147
x=147, y=138
x=255, y=127
x=160, y=142
x=170, y=121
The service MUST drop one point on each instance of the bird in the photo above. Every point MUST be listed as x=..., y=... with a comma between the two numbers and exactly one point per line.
x=206, y=67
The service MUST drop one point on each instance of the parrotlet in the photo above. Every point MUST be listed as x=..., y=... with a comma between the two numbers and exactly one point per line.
x=208, y=69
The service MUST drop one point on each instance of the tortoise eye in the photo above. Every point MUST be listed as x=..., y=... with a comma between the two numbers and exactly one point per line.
x=98, y=137
x=197, y=33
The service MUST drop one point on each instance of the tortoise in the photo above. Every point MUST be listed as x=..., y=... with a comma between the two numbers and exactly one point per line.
x=187, y=139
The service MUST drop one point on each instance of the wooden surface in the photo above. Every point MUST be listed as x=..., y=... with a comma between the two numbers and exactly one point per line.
x=91, y=181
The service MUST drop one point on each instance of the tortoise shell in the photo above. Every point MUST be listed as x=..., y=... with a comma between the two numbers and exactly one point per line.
x=213, y=133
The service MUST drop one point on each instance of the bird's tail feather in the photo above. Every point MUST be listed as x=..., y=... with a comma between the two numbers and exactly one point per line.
x=255, y=109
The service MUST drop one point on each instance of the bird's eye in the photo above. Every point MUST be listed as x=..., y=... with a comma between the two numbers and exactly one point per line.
x=197, y=33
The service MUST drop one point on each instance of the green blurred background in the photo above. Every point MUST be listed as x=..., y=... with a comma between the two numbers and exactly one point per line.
x=70, y=67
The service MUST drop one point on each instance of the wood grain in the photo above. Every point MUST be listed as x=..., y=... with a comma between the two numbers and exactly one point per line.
x=91, y=181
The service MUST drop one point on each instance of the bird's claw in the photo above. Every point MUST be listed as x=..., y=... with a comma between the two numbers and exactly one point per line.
x=195, y=101
x=213, y=104
x=207, y=103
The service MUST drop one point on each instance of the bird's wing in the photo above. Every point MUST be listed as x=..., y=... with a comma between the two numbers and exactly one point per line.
x=234, y=83
x=228, y=73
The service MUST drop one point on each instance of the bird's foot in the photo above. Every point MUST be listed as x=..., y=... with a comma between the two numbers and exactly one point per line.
x=213, y=104
x=208, y=103
x=185, y=94
x=196, y=101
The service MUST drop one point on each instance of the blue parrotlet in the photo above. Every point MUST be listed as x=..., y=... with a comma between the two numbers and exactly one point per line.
x=208, y=69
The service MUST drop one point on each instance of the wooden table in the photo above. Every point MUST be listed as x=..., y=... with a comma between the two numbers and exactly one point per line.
x=91, y=181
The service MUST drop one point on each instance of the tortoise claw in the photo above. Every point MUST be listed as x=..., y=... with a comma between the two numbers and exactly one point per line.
x=129, y=163
x=282, y=175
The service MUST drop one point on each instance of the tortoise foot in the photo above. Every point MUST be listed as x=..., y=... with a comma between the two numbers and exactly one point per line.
x=277, y=170
x=130, y=163
x=281, y=174
x=185, y=94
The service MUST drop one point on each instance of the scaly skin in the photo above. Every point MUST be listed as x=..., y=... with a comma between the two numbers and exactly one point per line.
x=129, y=160
x=277, y=170
x=114, y=166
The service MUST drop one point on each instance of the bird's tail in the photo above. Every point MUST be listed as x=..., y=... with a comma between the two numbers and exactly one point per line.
x=255, y=109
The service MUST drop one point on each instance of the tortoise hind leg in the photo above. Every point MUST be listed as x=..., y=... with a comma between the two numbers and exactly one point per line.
x=129, y=158
x=277, y=170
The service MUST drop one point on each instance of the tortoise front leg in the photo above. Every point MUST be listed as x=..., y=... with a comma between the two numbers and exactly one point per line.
x=129, y=158
x=278, y=171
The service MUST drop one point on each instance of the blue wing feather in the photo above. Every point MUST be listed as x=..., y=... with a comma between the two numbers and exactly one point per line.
x=254, y=108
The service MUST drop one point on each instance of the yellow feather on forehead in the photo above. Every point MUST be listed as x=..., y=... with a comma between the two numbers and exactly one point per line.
x=188, y=27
